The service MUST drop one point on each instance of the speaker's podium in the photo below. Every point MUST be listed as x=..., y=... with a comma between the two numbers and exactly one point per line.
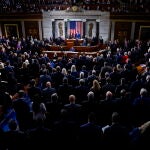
x=71, y=42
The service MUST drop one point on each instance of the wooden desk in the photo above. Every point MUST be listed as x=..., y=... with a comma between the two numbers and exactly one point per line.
x=69, y=54
x=70, y=44
x=56, y=48
x=77, y=48
x=86, y=48
x=73, y=40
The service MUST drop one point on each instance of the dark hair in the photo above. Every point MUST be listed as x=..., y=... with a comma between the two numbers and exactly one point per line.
x=92, y=117
x=115, y=117
x=65, y=80
x=21, y=93
x=54, y=98
x=12, y=125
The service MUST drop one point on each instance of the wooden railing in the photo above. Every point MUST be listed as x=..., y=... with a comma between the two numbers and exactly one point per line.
x=79, y=50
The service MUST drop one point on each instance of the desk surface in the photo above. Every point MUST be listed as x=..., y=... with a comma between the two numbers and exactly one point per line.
x=77, y=48
x=70, y=54
x=74, y=39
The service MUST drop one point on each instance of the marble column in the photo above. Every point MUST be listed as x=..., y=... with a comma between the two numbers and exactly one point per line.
x=0, y=30
x=132, y=30
x=112, y=29
x=23, y=28
x=53, y=28
x=84, y=28
x=66, y=28
x=97, y=28
x=47, y=28
x=40, y=30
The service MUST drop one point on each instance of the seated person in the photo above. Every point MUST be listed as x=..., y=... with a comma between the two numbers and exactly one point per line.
x=72, y=49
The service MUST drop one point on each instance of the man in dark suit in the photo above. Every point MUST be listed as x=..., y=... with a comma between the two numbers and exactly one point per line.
x=14, y=139
x=47, y=92
x=40, y=137
x=90, y=133
x=65, y=132
x=74, y=109
x=141, y=107
x=78, y=35
x=116, y=135
x=22, y=109
x=64, y=90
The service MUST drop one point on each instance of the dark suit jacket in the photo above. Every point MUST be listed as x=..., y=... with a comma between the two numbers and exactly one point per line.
x=78, y=35
x=74, y=112
x=39, y=138
x=15, y=140
x=65, y=133
x=64, y=90
x=90, y=134
x=46, y=94
x=116, y=136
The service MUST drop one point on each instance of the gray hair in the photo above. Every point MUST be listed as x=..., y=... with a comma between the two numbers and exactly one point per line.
x=143, y=92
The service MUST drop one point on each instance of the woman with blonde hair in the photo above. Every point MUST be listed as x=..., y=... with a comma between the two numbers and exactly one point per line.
x=74, y=71
x=96, y=88
x=64, y=72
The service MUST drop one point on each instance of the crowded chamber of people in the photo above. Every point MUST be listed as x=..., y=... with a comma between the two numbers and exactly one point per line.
x=85, y=100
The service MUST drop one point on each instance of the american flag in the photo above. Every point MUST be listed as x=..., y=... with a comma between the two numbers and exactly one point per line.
x=75, y=26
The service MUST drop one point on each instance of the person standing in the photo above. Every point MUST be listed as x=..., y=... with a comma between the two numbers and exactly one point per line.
x=77, y=35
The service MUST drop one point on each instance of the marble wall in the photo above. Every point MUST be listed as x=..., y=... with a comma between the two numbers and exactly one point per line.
x=90, y=29
x=47, y=27
x=90, y=18
x=60, y=28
